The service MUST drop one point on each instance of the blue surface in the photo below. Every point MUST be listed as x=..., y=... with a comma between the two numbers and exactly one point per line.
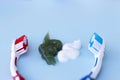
x=67, y=20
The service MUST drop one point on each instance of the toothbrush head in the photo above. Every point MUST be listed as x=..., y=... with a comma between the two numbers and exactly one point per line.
x=21, y=45
x=96, y=44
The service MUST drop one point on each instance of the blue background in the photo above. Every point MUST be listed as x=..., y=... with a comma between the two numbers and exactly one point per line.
x=67, y=20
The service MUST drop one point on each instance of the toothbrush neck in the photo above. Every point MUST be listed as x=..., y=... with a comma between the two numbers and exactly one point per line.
x=13, y=67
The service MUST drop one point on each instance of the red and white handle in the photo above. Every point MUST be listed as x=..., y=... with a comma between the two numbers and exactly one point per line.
x=19, y=47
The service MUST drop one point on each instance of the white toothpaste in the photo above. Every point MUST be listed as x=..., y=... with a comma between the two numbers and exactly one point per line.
x=69, y=51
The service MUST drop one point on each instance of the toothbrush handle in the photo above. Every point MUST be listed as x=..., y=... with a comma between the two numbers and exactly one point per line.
x=88, y=77
x=96, y=69
x=13, y=68
x=18, y=76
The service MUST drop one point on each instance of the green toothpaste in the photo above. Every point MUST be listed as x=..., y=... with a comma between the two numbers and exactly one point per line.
x=49, y=49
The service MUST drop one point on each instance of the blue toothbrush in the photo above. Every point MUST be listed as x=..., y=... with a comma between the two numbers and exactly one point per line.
x=97, y=47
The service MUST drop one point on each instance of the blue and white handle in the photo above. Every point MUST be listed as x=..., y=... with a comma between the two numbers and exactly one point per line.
x=97, y=47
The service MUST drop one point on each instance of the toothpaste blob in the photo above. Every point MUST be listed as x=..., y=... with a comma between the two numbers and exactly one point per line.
x=69, y=51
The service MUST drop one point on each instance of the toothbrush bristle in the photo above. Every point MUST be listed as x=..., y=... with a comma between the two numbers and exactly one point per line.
x=95, y=43
x=21, y=44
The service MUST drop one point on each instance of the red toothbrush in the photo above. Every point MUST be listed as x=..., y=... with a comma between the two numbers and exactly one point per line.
x=19, y=47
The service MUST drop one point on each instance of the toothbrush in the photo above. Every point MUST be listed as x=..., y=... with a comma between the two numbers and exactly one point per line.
x=97, y=47
x=19, y=47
